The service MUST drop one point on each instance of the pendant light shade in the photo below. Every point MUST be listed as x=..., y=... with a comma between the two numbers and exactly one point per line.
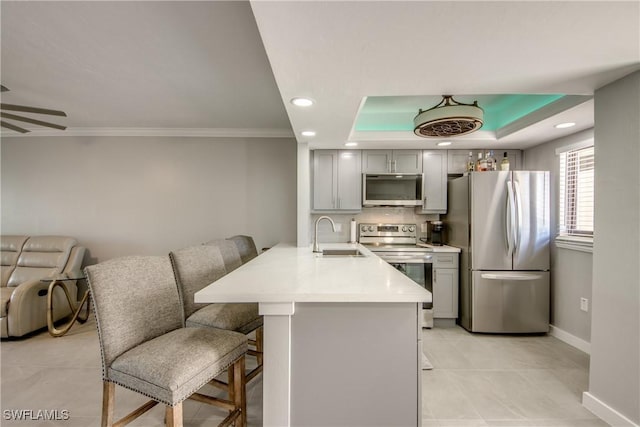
x=448, y=118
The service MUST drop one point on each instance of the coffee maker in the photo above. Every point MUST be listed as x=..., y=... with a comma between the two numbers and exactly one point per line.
x=437, y=233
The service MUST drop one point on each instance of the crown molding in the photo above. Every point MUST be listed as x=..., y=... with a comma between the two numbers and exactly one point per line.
x=159, y=132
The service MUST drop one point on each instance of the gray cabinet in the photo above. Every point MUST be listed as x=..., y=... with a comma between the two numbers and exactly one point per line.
x=434, y=185
x=337, y=182
x=392, y=161
x=445, y=286
x=457, y=162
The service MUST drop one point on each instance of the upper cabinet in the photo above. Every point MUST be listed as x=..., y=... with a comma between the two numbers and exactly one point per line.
x=337, y=180
x=392, y=161
x=434, y=185
x=458, y=159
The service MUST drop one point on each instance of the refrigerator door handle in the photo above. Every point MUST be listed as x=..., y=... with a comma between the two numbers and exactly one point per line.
x=510, y=222
x=518, y=215
x=511, y=276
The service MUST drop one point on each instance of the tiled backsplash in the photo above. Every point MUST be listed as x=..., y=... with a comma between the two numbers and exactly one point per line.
x=368, y=215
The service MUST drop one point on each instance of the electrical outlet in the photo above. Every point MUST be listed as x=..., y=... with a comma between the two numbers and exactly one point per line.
x=584, y=304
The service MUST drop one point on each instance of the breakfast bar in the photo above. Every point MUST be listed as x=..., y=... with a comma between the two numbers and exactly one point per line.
x=342, y=341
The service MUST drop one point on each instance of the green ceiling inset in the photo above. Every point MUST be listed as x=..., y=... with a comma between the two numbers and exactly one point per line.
x=396, y=113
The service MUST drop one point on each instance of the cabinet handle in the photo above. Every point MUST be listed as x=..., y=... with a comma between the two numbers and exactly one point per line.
x=339, y=202
x=395, y=166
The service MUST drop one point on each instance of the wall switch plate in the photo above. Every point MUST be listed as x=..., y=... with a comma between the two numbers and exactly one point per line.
x=584, y=304
x=338, y=227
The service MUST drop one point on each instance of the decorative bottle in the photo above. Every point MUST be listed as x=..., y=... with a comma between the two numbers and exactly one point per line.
x=504, y=164
x=491, y=161
x=481, y=166
x=471, y=164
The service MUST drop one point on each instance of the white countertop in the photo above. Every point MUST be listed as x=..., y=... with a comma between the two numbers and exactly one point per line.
x=286, y=273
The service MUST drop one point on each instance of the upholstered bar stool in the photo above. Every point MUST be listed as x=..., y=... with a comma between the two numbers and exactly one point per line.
x=197, y=267
x=145, y=347
x=246, y=247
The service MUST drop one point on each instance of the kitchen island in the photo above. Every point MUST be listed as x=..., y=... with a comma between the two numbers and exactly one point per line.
x=342, y=339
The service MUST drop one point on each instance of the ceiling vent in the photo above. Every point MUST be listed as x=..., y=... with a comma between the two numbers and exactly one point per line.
x=448, y=118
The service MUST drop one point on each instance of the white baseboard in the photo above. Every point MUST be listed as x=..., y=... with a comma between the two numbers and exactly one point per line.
x=605, y=412
x=572, y=340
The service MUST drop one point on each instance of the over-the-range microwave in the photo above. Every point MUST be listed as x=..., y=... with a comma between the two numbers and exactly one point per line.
x=392, y=189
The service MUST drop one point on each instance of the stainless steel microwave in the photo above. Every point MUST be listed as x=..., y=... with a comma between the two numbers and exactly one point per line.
x=392, y=189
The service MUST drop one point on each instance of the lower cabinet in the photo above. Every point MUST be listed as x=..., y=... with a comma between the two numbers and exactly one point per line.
x=445, y=286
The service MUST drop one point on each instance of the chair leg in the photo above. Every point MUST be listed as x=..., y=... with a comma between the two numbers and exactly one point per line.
x=260, y=344
x=173, y=415
x=108, y=391
x=240, y=389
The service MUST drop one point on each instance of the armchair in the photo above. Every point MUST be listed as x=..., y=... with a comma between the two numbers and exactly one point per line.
x=25, y=261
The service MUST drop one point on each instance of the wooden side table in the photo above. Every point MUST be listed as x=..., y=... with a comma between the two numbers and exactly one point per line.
x=59, y=281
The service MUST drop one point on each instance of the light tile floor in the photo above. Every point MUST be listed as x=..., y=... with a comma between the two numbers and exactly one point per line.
x=477, y=380
x=503, y=380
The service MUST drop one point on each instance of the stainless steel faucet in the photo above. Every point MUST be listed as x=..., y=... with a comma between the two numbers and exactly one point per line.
x=316, y=247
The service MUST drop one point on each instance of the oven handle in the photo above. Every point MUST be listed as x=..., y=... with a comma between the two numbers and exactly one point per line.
x=427, y=259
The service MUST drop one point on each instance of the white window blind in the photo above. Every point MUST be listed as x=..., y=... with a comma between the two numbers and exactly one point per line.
x=576, y=192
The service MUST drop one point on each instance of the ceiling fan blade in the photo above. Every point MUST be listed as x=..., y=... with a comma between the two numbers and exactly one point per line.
x=3, y=89
x=25, y=109
x=12, y=127
x=29, y=120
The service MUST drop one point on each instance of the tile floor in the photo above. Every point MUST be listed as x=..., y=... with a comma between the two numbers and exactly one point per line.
x=477, y=380
x=500, y=380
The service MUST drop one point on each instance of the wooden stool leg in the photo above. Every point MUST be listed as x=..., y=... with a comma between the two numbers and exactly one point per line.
x=231, y=389
x=108, y=391
x=240, y=386
x=173, y=415
x=260, y=344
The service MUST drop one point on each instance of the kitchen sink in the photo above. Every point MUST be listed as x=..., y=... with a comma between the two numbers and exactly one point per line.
x=342, y=252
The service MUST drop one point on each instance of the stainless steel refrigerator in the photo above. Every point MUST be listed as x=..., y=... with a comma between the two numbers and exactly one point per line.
x=501, y=222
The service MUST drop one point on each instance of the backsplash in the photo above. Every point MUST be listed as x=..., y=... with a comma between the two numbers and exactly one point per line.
x=368, y=215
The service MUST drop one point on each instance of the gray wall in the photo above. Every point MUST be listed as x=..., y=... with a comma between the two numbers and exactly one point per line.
x=146, y=195
x=571, y=271
x=615, y=335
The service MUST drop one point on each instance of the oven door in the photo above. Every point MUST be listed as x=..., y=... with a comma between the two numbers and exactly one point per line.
x=419, y=272
x=418, y=266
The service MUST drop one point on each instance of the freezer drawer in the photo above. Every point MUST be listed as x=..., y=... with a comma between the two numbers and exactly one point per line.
x=510, y=301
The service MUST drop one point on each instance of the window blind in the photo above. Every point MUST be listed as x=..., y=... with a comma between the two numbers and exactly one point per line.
x=576, y=192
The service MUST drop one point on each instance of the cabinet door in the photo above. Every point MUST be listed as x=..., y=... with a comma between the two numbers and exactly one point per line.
x=376, y=161
x=458, y=159
x=434, y=186
x=325, y=176
x=406, y=161
x=349, y=180
x=445, y=293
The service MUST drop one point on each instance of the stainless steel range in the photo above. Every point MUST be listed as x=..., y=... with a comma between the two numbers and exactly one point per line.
x=397, y=245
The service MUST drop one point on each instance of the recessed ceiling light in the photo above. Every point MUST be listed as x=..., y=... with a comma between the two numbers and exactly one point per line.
x=308, y=133
x=302, y=102
x=443, y=143
x=350, y=144
x=565, y=125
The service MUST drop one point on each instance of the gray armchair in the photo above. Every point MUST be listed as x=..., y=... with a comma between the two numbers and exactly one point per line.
x=25, y=262
x=246, y=247
x=197, y=267
x=145, y=347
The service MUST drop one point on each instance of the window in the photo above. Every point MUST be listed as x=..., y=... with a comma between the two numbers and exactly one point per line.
x=576, y=196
